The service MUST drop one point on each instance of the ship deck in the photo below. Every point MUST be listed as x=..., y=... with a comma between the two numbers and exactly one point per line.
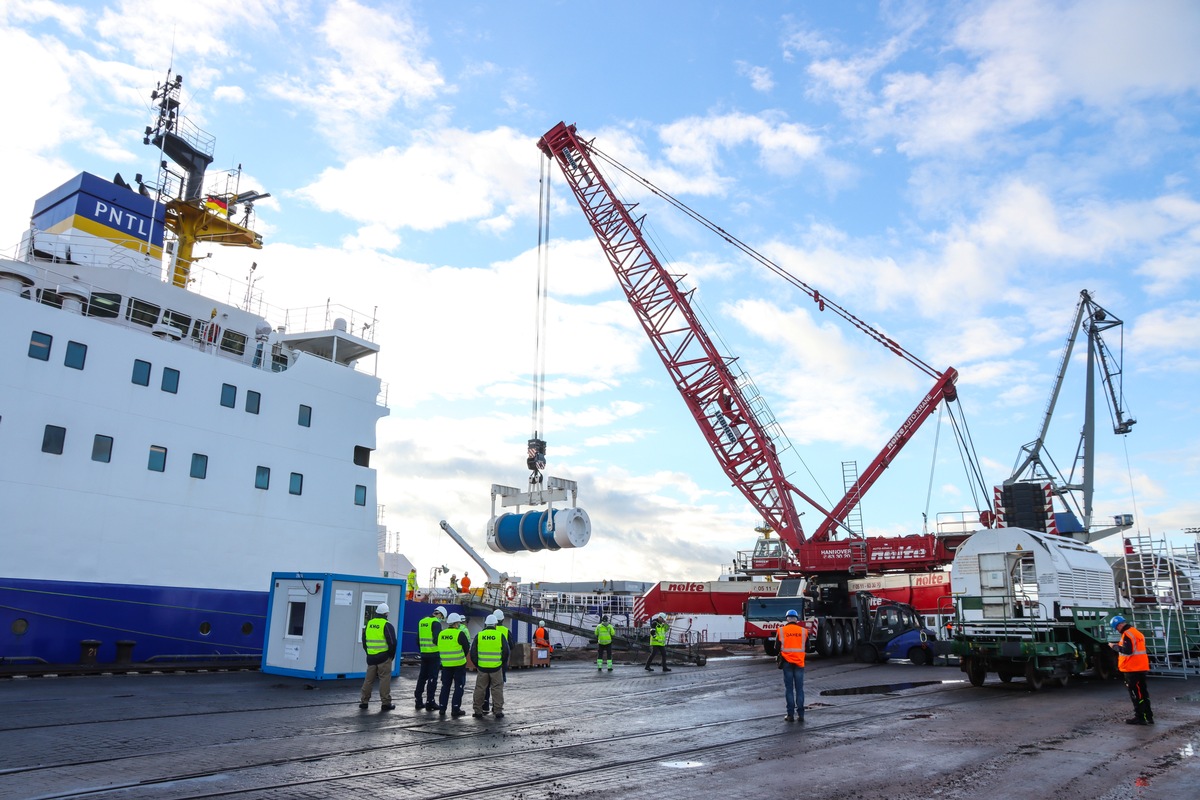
x=872, y=731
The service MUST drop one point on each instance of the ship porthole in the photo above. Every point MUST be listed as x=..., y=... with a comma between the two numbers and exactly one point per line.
x=247, y=628
x=205, y=629
x=19, y=626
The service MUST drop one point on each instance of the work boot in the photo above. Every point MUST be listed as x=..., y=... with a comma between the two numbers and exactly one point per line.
x=441, y=712
x=666, y=669
x=610, y=669
x=1135, y=721
x=362, y=705
x=477, y=715
x=499, y=715
x=458, y=712
x=420, y=704
x=431, y=706
x=789, y=718
x=388, y=707
x=649, y=668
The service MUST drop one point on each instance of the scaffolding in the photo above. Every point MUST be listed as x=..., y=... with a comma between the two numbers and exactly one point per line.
x=1159, y=583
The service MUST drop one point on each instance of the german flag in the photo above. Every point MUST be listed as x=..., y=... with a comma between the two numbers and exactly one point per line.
x=217, y=205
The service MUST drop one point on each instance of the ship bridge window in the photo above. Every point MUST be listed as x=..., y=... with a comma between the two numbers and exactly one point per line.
x=50, y=297
x=305, y=417
x=142, y=313
x=199, y=466
x=180, y=322
x=39, y=346
x=141, y=372
x=362, y=456
x=253, y=400
x=233, y=342
x=102, y=448
x=158, y=459
x=105, y=305
x=170, y=380
x=53, y=439
x=228, y=395
x=76, y=355
x=262, y=478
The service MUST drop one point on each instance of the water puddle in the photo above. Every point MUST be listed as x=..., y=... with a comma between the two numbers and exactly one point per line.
x=682, y=764
x=883, y=688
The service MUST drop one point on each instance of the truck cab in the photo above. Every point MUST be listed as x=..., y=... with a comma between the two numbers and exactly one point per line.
x=889, y=630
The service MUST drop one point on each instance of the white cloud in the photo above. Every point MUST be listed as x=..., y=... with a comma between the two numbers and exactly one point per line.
x=760, y=77
x=233, y=94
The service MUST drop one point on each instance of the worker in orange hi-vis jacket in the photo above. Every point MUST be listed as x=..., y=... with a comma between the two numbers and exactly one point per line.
x=465, y=583
x=540, y=637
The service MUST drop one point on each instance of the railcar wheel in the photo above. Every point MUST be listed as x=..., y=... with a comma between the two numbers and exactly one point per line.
x=976, y=671
x=1005, y=677
x=1033, y=679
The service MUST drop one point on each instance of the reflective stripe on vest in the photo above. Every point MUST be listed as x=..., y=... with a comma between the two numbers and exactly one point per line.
x=490, y=643
x=658, y=636
x=793, y=638
x=1138, y=661
x=450, y=649
x=425, y=635
x=375, y=638
x=604, y=634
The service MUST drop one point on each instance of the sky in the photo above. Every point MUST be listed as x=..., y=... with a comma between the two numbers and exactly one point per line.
x=953, y=173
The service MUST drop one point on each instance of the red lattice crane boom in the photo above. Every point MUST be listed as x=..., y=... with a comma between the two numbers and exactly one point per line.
x=706, y=381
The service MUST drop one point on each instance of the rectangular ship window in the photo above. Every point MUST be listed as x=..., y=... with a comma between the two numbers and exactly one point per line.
x=170, y=380
x=180, y=322
x=141, y=372
x=233, y=342
x=140, y=312
x=76, y=355
x=39, y=346
x=297, y=484
x=105, y=305
x=305, y=418
x=262, y=478
x=253, y=399
x=158, y=459
x=199, y=466
x=53, y=439
x=228, y=395
x=362, y=456
x=102, y=448
x=360, y=495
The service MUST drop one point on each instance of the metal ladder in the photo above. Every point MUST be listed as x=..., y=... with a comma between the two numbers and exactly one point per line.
x=1161, y=585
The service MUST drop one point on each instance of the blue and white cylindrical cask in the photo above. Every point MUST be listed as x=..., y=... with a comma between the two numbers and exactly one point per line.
x=532, y=531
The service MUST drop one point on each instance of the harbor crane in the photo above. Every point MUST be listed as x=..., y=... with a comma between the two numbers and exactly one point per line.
x=732, y=417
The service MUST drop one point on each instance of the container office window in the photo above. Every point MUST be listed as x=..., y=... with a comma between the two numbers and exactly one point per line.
x=297, y=484
x=170, y=380
x=141, y=372
x=102, y=448
x=262, y=478
x=360, y=495
x=228, y=395
x=158, y=459
x=295, y=617
x=199, y=466
x=253, y=400
x=53, y=438
x=142, y=313
x=105, y=305
x=39, y=346
x=76, y=355
x=305, y=418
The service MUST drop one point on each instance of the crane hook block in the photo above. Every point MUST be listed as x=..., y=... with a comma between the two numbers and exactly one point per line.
x=532, y=531
x=536, y=454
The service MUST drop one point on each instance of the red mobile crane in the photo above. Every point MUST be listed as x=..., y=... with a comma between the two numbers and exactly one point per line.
x=714, y=395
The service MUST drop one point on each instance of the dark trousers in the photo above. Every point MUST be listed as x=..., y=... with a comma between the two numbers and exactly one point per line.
x=1139, y=695
x=427, y=678
x=604, y=653
x=660, y=651
x=458, y=677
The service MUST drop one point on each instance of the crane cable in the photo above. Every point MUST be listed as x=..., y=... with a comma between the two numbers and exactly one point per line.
x=536, y=454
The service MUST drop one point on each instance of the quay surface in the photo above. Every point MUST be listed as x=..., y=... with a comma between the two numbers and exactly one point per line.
x=891, y=731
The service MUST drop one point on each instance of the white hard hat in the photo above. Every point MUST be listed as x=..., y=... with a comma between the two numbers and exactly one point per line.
x=440, y=610
x=382, y=608
x=454, y=619
x=499, y=615
x=490, y=620
x=542, y=624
